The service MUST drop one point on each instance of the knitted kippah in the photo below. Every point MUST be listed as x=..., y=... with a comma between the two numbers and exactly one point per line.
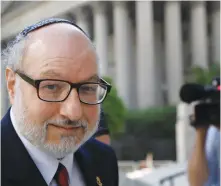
x=46, y=22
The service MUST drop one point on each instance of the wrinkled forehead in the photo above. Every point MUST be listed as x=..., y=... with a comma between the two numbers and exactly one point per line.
x=61, y=43
x=58, y=40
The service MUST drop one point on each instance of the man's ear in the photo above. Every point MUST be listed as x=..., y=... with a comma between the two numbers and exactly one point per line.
x=10, y=82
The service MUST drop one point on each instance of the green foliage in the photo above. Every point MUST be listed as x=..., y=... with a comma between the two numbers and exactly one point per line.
x=114, y=110
x=204, y=76
x=156, y=122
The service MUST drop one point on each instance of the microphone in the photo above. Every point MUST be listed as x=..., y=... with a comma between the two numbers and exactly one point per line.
x=192, y=92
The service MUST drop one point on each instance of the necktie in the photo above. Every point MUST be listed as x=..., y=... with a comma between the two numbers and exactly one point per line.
x=61, y=176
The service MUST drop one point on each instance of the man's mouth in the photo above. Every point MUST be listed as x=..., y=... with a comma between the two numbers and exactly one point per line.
x=67, y=128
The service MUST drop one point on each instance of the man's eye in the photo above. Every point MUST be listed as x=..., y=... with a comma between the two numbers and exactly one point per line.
x=51, y=87
x=88, y=88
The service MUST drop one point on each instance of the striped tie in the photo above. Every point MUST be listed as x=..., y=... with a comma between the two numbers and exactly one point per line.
x=61, y=176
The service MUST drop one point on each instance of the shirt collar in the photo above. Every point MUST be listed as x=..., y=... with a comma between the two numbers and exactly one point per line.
x=46, y=164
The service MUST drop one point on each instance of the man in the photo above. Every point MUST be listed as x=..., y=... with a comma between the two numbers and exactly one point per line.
x=204, y=165
x=55, y=91
x=103, y=134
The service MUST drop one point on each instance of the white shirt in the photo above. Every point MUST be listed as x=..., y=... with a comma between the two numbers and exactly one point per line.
x=48, y=165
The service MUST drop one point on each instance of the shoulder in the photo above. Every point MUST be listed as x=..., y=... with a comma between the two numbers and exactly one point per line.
x=212, y=143
x=213, y=136
x=104, y=160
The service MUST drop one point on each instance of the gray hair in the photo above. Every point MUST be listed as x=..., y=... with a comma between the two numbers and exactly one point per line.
x=12, y=55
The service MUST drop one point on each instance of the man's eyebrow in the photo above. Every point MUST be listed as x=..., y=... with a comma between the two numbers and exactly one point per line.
x=94, y=78
x=50, y=73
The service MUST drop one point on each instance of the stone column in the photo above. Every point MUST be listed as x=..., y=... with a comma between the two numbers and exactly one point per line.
x=185, y=134
x=122, y=49
x=159, y=58
x=199, y=40
x=101, y=34
x=147, y=88
x=173, y=50
x=82, y=19
x=216, y=32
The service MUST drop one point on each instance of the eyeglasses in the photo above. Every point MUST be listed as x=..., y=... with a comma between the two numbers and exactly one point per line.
x=53, y=90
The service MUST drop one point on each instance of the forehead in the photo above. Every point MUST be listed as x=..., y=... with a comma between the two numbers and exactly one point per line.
x=62, y=49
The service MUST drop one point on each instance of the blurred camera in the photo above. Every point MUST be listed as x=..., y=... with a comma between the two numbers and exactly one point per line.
x=207, y=98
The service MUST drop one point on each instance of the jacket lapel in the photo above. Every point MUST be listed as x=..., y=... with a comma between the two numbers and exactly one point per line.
x=84, y=162
x=17, y=165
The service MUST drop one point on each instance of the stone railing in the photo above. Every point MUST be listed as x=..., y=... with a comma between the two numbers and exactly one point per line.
x=165, y=174
x=128, y=166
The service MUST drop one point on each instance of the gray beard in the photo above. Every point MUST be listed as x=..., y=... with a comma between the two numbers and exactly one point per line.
x=36, y=133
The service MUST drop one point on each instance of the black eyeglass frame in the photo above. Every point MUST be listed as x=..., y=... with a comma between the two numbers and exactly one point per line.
x=36, y=83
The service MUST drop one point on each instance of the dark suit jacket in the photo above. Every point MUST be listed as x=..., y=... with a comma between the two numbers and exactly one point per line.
x=94, y=158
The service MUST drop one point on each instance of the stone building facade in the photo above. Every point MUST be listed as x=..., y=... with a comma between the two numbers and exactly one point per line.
x=146, y=47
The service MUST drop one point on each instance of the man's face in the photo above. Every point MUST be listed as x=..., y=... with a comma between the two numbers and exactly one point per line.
x=60, y=52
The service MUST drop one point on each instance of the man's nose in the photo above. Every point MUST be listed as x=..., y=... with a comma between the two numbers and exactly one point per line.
x=71, y=108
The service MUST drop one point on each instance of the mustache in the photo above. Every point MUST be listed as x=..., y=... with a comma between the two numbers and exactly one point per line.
x=67, y=122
